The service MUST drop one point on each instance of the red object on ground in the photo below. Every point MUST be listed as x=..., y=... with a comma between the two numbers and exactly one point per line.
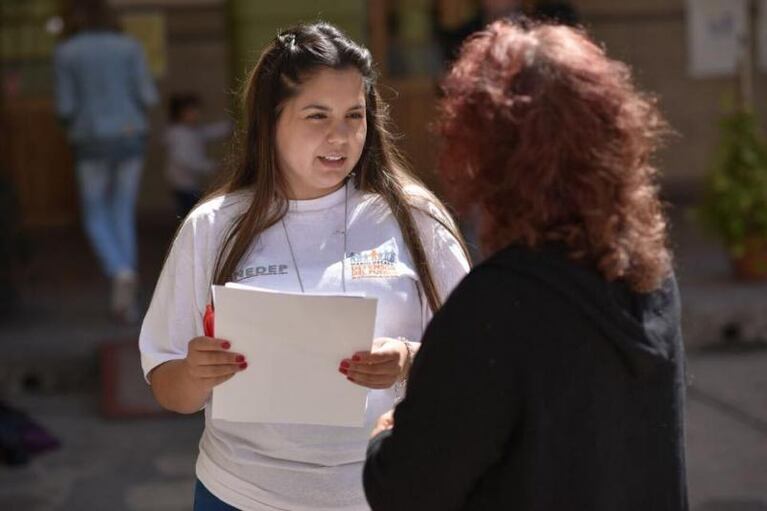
x=124, y=393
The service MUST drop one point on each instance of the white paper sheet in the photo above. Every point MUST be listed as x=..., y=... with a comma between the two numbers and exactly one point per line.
x=293, y=344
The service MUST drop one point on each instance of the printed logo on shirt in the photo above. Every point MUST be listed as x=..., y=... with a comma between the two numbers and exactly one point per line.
x=260, y=271
x=379, y=262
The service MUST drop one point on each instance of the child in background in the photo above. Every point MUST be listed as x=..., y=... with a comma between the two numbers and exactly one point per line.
x=188, y=164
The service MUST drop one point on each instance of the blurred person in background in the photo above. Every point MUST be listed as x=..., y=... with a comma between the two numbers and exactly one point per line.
x=457, y=19
x=496, y=9
x=454, y=20
x=557, y=11
x=188, y=165
x=103, y=92
x=553, y=377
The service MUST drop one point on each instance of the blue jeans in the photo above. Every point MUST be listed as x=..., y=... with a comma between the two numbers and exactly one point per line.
x=108, y=190
x=206, y=501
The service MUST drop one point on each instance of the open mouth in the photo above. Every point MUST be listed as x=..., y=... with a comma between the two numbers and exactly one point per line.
x=334, y=160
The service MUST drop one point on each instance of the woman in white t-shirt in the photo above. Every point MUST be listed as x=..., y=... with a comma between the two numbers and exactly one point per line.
x=320, y=202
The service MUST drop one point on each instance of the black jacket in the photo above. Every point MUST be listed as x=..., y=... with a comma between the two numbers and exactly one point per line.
x=540, y=386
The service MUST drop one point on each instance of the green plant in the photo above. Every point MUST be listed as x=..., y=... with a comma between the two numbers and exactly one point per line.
x=735, y=202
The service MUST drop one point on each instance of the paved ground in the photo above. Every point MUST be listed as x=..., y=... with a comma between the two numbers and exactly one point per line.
x=727, y=431
x=49, y=368
x=136, y=465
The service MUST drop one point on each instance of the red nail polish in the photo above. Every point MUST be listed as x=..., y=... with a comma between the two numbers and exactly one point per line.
x=244, y=365
x=239, y=358
x=226, y=345
x=342, y=370
x=345, y=364
x=355, y=358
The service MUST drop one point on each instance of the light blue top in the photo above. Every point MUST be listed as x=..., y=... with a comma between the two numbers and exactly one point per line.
x=103, y=87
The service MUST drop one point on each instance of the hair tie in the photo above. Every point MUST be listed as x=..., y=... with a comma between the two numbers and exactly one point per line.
x=288, y=40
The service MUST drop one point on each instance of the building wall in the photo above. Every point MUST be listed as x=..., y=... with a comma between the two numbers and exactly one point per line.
x=651, y=35
x=254, y=24
x=212, y=42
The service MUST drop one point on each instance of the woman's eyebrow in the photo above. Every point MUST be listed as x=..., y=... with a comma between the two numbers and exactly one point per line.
x=316, y=107
x=324, y=108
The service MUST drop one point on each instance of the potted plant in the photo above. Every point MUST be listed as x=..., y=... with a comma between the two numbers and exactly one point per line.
x=735, y=202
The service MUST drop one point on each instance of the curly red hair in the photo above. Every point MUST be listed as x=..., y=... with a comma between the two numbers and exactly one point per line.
x=552, y=140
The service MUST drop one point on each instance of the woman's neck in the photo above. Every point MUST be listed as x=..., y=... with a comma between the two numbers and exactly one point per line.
x=312, y=194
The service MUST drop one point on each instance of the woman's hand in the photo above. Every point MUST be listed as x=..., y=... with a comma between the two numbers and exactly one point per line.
x=379, y=368
x=385, y=421
x=209, y=363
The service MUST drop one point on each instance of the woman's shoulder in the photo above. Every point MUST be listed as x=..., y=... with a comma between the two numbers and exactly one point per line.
x=219, y=211
x=416, y=196
x=84, y=44
x=424, y=200
x=429, y=213
x=427, y=210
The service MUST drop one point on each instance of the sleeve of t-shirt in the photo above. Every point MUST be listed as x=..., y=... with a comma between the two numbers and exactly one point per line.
x=447, y=259
x=184, y=152
x=460, y=409
x=176, y=310
x=216, y=130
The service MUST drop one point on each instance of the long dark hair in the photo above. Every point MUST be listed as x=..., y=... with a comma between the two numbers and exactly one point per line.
x=284, y=64
x=86, y=15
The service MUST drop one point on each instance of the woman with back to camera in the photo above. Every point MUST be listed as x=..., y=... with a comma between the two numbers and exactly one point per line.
x=104, y=90
x=553, y=377
x=319, y=203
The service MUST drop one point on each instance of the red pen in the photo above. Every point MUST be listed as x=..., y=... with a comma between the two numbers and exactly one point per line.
x=207, y=320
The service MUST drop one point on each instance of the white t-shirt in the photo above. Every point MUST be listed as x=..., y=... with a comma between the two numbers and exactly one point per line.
x=286, y=466
x=187, y=161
